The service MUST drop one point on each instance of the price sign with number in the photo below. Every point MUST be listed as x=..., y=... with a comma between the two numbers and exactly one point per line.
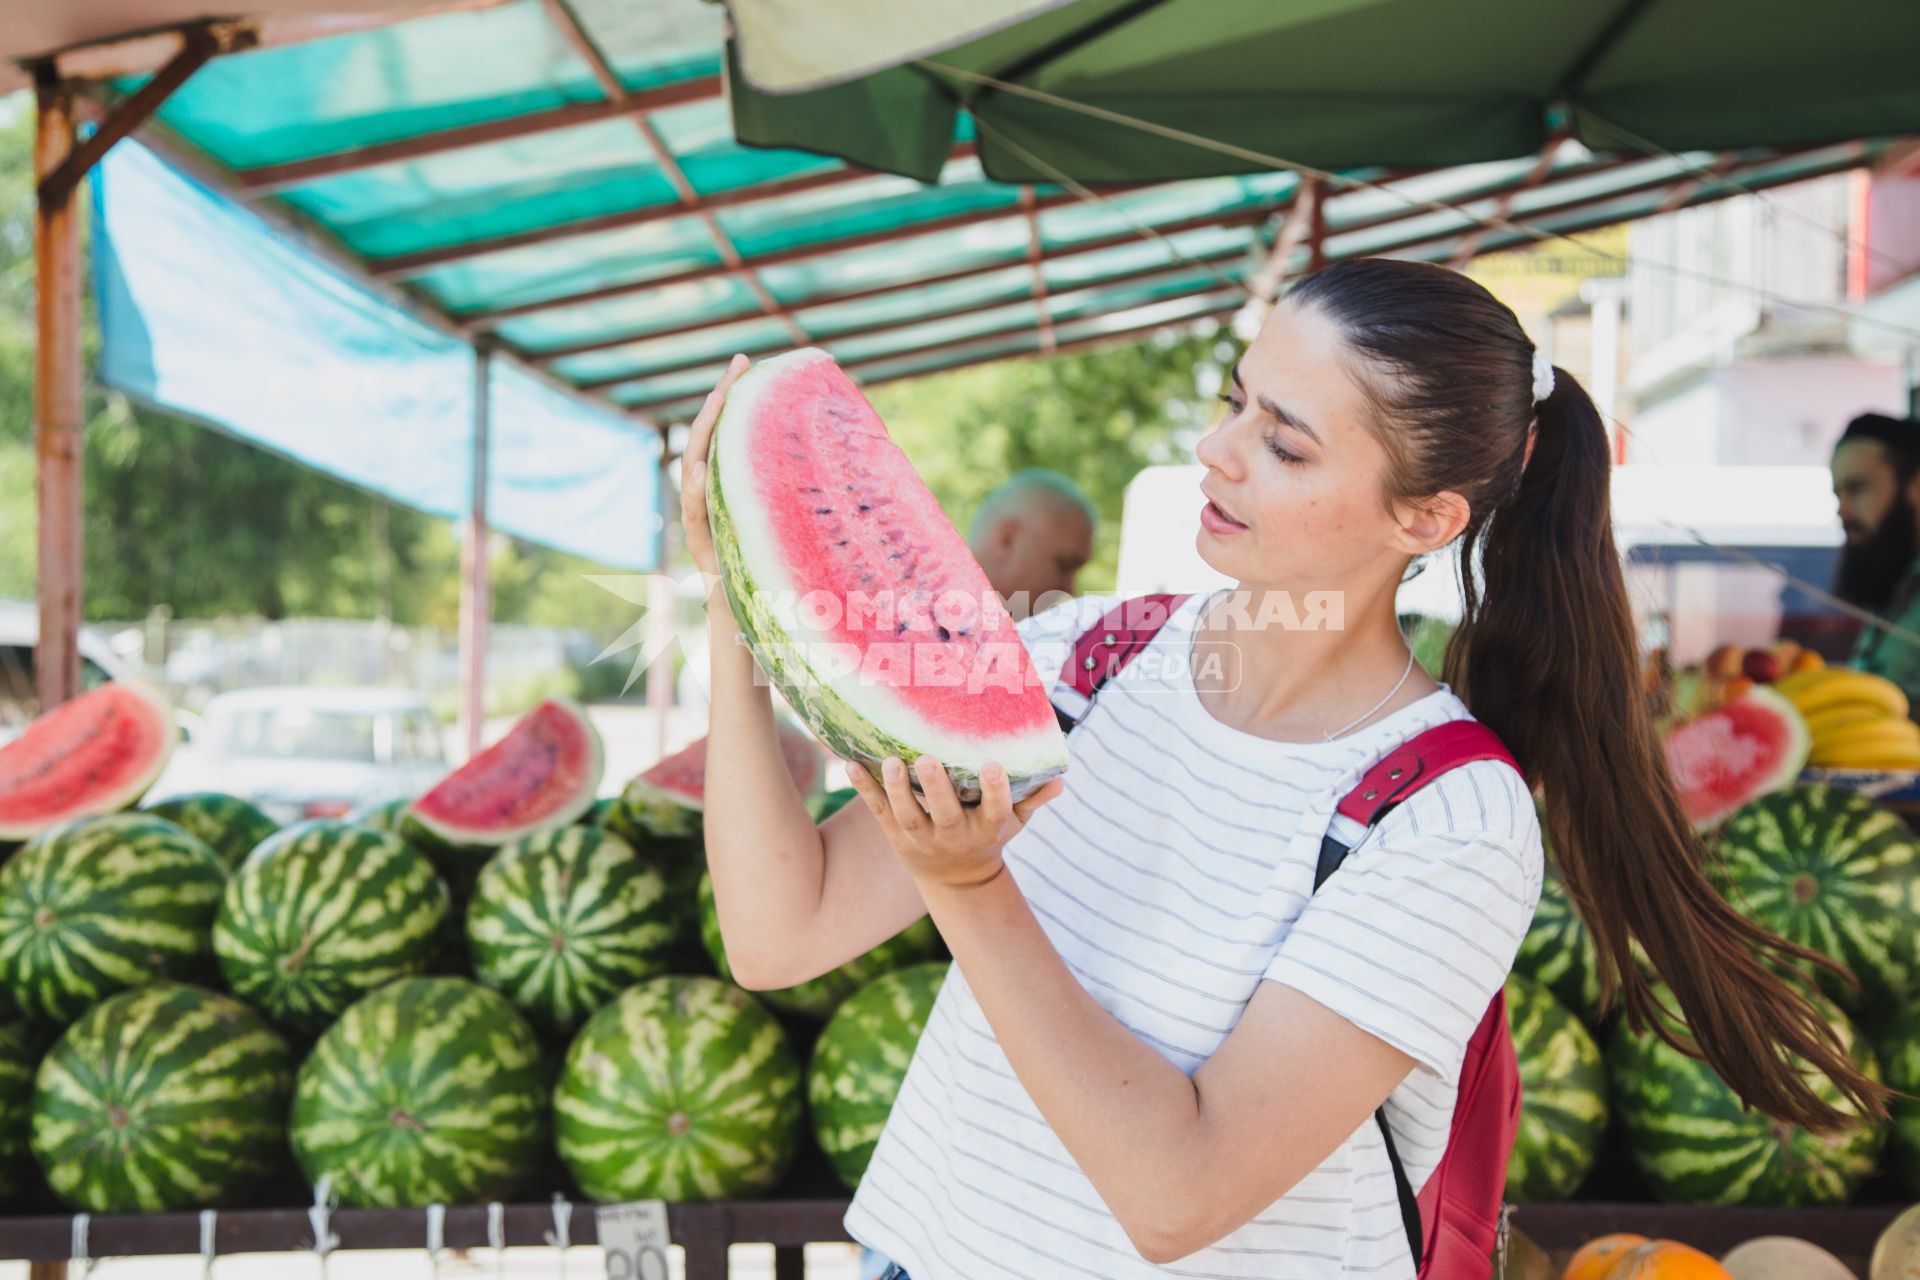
x=635, y=1238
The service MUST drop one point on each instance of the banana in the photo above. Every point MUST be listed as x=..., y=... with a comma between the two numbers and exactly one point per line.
x=1828, y=719
x=1883, y=730
x=1812, y=691
x=1880, y=758
x=1865, y=753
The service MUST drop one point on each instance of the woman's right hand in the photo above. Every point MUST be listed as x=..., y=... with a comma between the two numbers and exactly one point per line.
x=693, y=472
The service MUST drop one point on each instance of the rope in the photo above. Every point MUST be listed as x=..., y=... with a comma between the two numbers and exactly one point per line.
x=560, y=1237
x=208, y=1220
x=497, y=1236
x=319, y=1217
x=78, y=1245
x=436, y=1235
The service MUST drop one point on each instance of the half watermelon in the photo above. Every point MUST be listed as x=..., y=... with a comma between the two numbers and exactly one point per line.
x=1748, y=748
x=859, y=598
x=97, y=753
x=669, y=798
x=542, y=774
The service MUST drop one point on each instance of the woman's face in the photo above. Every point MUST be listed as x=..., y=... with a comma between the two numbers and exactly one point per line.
x=1295, y=477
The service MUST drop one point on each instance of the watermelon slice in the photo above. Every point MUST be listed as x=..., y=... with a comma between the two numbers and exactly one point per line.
x=668, y=799
x=97, y=753
x=860, y=599
x=1753, y=745
x=542, y=774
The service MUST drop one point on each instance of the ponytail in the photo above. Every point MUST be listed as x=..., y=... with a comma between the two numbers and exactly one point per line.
x=1547, y=658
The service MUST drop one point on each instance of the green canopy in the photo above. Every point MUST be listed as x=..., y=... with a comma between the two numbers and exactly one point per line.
x=1340, y=83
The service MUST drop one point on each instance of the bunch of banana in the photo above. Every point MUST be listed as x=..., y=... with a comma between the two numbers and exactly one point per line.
x=1857, y=720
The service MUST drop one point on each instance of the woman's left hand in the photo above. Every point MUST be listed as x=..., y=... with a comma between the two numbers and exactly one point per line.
x=941, y=841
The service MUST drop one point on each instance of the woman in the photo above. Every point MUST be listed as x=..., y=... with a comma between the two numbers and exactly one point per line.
x=1158, y=1051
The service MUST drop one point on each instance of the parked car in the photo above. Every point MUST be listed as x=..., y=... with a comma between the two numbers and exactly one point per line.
x=19, y=633
x=310, y=752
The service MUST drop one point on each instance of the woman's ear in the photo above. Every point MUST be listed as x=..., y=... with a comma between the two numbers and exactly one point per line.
x=1430, y=523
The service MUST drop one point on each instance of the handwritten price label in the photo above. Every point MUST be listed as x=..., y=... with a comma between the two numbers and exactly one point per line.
x=635, y=1238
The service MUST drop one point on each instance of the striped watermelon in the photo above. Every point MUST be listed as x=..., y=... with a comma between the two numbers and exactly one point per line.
x=1697, y=1144
x=684, y=1088
x=828, y=803
x=1830, y=869
x=1899, y=1046
x=322, y=914
x=98, y=905
x=429, y=1091
x=230, y=826
x=17, y=1059
x=1558, y=951
x=1563, y=1083
x=166, y=1098
x=860, y=1059
x=564, y=920
x=382, y=815
x=818, y=997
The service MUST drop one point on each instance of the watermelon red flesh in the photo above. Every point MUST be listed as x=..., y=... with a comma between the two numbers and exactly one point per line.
x=542, y=774
x=1752, y=746
x=95, y=754
x=682, y=776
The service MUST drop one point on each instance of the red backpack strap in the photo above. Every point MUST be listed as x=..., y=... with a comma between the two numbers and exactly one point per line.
x=1105, y=649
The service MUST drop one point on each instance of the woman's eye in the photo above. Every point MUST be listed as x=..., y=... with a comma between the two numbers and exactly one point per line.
x=1233, y=406
x=1291, y=459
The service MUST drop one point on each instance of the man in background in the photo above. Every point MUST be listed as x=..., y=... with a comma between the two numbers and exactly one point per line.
x=1032, y=535
x=1876, y=479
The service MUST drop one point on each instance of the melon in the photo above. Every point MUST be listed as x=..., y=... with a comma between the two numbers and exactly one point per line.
x=1783, y=1258
x=1594, y=1259
x=544, y=773
x=1748, y=748
x=1667, y=1260
x=1896, y=1254
x=97, y=753
x=858, y=597
x=669, y=798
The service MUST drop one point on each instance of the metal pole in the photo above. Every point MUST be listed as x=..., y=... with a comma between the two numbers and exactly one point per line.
x=58, y=404
x=476, y=597
x=661, y=605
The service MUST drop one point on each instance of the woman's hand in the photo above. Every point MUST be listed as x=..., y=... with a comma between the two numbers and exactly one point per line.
x=693, y=472
x=941, y=841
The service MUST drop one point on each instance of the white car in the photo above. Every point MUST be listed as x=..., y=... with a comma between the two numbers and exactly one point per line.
x=302, y=752
x=19, y=633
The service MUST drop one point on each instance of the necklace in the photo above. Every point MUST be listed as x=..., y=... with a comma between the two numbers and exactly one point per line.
x=1376, y=706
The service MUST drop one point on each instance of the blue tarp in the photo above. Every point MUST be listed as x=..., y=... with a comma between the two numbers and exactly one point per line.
x=208, y=311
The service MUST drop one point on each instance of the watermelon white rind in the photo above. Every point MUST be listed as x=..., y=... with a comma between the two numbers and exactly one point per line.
x=1751, y=746
x=94, y=754
x=967, y=693
x=860, y=1060
x=543, y=773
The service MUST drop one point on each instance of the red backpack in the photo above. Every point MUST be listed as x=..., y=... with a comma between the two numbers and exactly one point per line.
x=1453, y=1225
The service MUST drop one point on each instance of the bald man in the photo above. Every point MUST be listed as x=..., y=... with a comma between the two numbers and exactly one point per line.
x=1032, y=535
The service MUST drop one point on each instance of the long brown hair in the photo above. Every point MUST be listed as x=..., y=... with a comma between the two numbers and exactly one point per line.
x=1546, y=657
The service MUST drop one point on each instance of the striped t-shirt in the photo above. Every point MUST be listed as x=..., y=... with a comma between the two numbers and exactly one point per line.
x=1173, y=874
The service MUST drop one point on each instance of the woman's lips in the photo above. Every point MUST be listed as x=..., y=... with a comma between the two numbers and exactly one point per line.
x=1214, y=520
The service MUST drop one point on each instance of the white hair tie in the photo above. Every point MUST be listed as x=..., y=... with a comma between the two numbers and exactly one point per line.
x=1542, y=377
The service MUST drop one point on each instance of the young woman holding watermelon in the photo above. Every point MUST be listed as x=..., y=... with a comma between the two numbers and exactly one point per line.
x=1161, y=1050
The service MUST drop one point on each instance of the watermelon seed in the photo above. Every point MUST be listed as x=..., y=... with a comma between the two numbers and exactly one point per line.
x=678, y=1123
x=823, y=511
x=943, y=633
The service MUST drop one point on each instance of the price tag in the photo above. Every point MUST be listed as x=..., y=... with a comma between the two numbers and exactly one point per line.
x=635, y=1238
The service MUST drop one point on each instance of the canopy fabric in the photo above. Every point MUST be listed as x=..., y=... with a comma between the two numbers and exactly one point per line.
x=1340, y=83
x=786, y=46
x=208, y=312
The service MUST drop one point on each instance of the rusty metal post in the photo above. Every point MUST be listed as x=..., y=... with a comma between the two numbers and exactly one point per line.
x=476, y=589
x=58, y=404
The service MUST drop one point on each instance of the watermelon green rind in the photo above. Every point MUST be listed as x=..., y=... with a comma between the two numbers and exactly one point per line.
x=98, y=905
x=818, y=997
x=323, y=913
x=231, y=827
x=166, y=1098
x=428, y=1091
x=1899, y=1050
x=1751, y=746
x=1837, y=872
x=520, y=763
x=94, y=754
x=684, y=1088
x=564, y=920
x=17, y=1062
x=824, y=700
x=1695, y=1142
x=382, y=815
x=1563, y=1093
x=860, y=1060
x=1559, y=951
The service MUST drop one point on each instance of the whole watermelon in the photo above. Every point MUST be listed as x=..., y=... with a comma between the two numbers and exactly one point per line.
x=860, y=1059
x=17, y=1062
x=230, y=826
x=1696, y=1143
x=428, y=1091
x=818, y=997
x=381, y=815
x=170, y=1097
x=1899, y=1048
x=684, y=1088
x=1563, y=1083
x=98, y=905
x=1558, y=951
x=564, y=920
x=1832, y=870
x=322, y=914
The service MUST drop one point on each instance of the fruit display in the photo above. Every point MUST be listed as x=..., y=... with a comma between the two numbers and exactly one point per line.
x=1745, y=748
x=428, y=1091
x=669, y=798
x=860, y=1060
x=1563, y=1095
x=1835, y=872
x=564, y=920
x=1856, y=720
x=98, y=905
x=94, y=754
x=543, y=773
x=168, y=1097
x=323, y=913
x=810, y=500
x=230, y=826
x=684, y=1088
x=818, y=997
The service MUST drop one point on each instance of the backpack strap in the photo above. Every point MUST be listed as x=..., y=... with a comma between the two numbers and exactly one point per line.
x=1397, y=776
x=1105, y=649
